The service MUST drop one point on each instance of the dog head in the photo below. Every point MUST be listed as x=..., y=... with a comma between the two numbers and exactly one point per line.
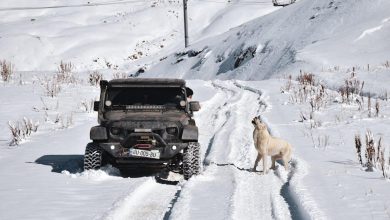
x=254, y=120
x=258, y=124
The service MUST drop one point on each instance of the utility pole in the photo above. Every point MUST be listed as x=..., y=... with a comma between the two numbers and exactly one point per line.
x=185, y=23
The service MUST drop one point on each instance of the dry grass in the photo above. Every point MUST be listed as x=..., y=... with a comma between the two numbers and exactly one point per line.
x=358, y=146
x=377, y=108
x=6, y=70
x=288, y=86
x=64, y=73
x=87, y=106
x=370, y=151
x=351, y=89
x=387, y=64
x=20, y=130
x=94, y=78
x=306, y=79
x=51, y=86
x=309, y=90
x=374, y=156
x=369, y=105
x=119, y=75
x=65, y=67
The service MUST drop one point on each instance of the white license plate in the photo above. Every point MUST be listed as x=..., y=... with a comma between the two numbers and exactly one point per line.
x=145, y=153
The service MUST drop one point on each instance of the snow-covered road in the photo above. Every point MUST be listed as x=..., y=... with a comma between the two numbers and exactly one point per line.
x=226, y=189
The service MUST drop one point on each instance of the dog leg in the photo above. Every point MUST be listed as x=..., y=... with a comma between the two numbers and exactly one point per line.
x=286, y=159
x=258, y=158
x=273, y=162
x=265, y=168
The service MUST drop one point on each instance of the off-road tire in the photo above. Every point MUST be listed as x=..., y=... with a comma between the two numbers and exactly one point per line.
x=93, y=157
x=191, y=160
x=196, y=160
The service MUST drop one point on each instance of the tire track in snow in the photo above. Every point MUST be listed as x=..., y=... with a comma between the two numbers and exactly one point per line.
x=289, y=179
x=141, y=203
x=257, y=196
x=224, y=190
x=216, y=123
x=212, y=124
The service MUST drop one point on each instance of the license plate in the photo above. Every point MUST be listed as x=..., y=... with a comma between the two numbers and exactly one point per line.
x=145, y=153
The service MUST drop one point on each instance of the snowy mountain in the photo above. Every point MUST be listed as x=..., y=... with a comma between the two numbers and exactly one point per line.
x=316, y=71
x=309, y=35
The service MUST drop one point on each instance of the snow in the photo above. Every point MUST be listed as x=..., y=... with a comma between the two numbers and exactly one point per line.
x=238, y=64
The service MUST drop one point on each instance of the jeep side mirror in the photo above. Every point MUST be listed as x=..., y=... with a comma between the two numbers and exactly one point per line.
x=96, y=106
x=194, y=106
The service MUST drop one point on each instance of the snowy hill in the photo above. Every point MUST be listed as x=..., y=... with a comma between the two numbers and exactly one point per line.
x=37, y=35
x=316, y=72
x=310, y=35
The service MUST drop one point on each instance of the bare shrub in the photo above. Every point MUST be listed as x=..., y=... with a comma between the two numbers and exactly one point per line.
x=94, y=78
x=318, y=98
x=51, y=86
x=306, y=79
x=302, y=117
x=87, y=105
x=378, y=150
x=288, y=85
x=376, y=108
x=387, y=64
x=69, y=121
x=65, y=121
x=384, y=95
x=65, y=67
x=323, y=141
x=370, y=151
x=369, y=105
x=352, y=87
x=320, y=141
x=314, y=122
x=64, y=73
x=20, y=130
x=382, y=163
x=6, y=70
x=119, y=75
x=51, y=106
x=358, y=146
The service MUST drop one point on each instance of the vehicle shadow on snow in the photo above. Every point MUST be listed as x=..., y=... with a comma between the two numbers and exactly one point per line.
x=75, y=164
x=59, y=163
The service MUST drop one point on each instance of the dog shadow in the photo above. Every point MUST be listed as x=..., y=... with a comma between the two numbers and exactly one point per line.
x=250, y=170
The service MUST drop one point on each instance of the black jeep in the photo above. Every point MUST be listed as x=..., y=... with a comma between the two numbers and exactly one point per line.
x=145, y=123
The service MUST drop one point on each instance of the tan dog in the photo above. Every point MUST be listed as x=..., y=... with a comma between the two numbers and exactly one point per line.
x=266, y=145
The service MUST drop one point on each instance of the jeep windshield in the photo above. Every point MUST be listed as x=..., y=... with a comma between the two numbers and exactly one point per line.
x=144, y=98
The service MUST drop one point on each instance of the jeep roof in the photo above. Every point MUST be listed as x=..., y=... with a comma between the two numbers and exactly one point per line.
x=147, y=82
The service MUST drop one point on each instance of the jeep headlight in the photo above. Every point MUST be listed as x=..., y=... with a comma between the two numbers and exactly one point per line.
x=115, y=131
x=172, y=130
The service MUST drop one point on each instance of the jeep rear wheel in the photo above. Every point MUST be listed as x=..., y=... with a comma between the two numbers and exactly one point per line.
x=191, y=160
x=93, y=157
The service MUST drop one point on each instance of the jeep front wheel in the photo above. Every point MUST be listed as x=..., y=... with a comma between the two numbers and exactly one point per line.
x=93, y=157
x=191, y=160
